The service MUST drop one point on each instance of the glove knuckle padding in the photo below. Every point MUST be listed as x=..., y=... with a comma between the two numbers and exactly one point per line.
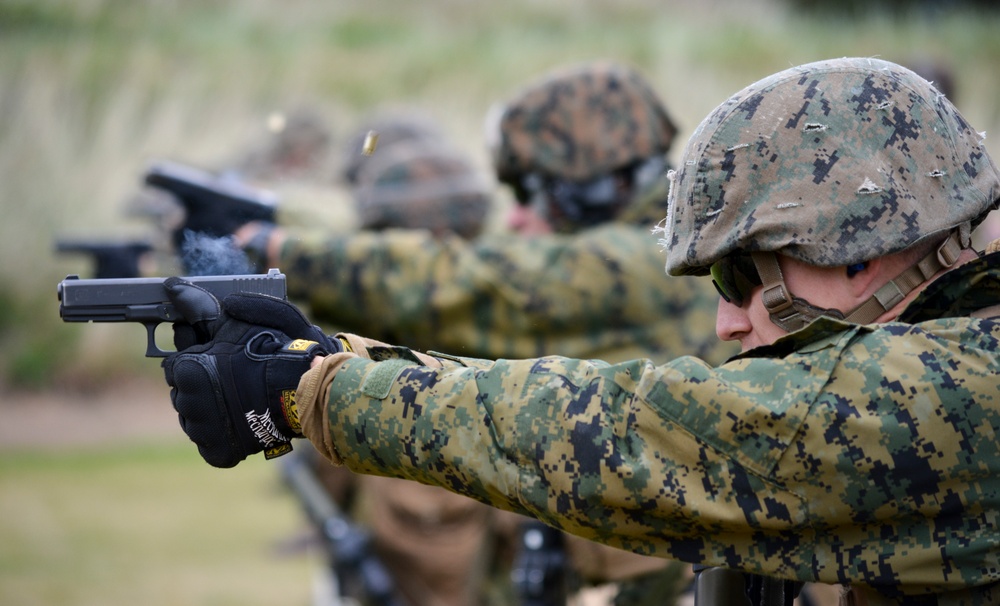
x=264, y=310
x=196, y=382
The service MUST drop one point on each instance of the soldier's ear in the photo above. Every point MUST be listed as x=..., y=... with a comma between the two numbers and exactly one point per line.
x=863, y=278
x=853, y=270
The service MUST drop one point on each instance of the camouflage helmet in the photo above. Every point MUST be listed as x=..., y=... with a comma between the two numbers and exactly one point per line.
x=833, y=163
x=578, y=122
x=392, y=126
x=422, y=185
x=296, y=145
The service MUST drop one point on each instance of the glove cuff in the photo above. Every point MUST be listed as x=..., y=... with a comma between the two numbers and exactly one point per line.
x=283, y=377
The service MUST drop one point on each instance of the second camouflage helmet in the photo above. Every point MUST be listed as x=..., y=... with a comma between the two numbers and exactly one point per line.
x=579, y=122
x=832, y=163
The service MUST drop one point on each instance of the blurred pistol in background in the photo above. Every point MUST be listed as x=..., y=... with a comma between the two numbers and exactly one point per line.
x=144, y=300
x=214, y=205
x=111, y=259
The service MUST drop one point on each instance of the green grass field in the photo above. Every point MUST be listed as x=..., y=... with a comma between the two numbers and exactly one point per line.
x=149, y=524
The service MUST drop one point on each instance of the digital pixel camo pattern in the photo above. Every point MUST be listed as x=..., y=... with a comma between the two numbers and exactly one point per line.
x=832, y=163
x=422, y=185
x=598, y=293
x=581, y=121
x=843, y=454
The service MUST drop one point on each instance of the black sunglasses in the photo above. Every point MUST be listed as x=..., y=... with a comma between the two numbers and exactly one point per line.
x=735, y=277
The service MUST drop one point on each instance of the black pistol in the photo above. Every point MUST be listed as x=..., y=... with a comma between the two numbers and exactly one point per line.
x=111, y=259
x=144, y=300
x=214, y=205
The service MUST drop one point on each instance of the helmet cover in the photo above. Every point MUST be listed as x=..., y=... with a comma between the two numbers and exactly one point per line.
x=581, y=121
x=833, y=163
x=422, y=185
x=393, y=127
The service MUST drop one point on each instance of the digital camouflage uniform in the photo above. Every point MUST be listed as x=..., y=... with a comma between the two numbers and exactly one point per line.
x=842, y=453
x=596, y=292
x=762, y=463
x=599, y=293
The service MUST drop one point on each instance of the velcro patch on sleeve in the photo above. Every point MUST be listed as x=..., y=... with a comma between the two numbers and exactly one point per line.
x=379, y=381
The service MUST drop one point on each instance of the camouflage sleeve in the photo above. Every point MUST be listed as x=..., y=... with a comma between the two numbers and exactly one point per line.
x=600, y=294
x=808, y=465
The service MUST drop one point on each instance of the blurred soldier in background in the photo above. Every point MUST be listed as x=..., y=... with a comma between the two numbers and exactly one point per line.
x=439, y=546
x=298, y=147
x=589, y=258
x=393, y=126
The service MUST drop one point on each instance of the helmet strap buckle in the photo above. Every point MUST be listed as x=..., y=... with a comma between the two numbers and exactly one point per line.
x=778, y=302
x=788, y=312
x=774, y=296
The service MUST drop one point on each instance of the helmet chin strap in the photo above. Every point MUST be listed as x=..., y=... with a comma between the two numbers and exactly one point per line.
x=792, y=313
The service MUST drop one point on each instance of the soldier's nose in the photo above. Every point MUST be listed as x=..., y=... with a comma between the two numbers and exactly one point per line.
x=731, y=321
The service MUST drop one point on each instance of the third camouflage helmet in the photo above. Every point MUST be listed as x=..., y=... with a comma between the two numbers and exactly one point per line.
x=391, y=127
x=422, y=185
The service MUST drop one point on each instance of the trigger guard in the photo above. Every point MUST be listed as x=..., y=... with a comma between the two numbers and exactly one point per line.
x=152, y=351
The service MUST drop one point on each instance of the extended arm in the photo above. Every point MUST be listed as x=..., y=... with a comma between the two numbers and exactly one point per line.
x=781, y=465
x=605, y=451
x=506, y=296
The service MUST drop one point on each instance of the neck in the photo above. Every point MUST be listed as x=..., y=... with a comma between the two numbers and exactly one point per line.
x=964, y=257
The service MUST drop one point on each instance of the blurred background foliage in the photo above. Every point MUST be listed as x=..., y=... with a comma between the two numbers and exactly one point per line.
x=93, y=90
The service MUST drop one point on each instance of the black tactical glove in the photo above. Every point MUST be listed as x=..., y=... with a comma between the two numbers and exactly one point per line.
x=237, y=366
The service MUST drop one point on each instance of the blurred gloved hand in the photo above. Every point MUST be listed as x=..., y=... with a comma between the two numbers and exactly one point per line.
x=236, y=369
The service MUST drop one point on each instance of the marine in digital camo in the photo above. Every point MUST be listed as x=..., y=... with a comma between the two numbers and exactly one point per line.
x=840, y=452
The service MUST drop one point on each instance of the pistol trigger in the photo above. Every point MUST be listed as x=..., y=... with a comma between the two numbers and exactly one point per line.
x=152, y=351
